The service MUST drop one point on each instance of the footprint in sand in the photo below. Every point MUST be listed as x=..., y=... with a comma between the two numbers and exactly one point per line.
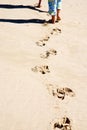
x=43, y=41
x=55, y=31
x=47, y=53
x=63, y=123
x=43, y=69
x=60, y=92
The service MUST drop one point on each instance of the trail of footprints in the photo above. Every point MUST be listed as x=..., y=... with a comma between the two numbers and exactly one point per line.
x=63, y=123
x=43, y=41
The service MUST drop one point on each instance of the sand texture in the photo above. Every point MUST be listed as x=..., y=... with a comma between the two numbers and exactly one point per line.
x=43, y=66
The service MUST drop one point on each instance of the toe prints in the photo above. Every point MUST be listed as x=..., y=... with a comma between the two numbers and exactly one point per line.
x=69, y=92
x=47, y=53
x=60, y=92
x=55, y=31
x=42, y=69
x=63, y=123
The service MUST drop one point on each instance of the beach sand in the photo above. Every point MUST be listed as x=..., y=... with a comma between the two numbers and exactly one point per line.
x=37, y=60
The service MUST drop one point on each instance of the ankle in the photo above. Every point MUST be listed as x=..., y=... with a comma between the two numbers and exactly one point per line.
x=53, y=19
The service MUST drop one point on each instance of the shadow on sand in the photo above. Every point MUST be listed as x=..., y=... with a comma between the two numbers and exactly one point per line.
x=22, y=21
x=8, y=6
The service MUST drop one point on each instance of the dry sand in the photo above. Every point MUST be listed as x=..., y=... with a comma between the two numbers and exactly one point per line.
x=26, y=99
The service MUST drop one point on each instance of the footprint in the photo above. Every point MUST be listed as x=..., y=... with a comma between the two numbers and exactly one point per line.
x=60, y=92
x=55, y=91
x=46, y=54
x=43, y=69
x=46, y=38
x=63, y=124
x=55, y=31
x=42, y=42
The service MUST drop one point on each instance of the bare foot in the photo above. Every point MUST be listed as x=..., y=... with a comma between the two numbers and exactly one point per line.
x=37, y=6
x=51, y=21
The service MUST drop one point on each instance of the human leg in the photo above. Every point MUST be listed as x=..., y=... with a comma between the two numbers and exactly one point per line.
x=52, y=9
x=59, y=4
x=53, y=18
x=58, y=14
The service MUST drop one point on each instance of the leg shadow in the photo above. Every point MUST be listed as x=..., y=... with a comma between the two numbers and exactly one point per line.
x=8, y=6
x=23, y=21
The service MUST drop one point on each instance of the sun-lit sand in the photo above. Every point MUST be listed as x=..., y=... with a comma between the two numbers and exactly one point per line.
x=37, y=60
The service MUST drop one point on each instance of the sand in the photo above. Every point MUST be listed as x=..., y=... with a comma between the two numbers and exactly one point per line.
x=37, y=60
